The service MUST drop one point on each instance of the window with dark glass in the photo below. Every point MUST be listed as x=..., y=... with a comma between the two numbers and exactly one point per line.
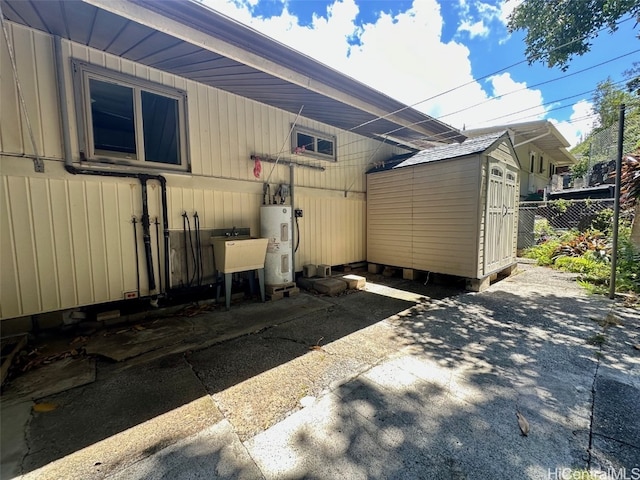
x=112, y=115
x=128, y=120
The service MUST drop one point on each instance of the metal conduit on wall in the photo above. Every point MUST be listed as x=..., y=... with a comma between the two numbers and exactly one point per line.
x=143, y=178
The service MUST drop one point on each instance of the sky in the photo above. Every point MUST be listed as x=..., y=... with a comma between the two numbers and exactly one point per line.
x=452, y=59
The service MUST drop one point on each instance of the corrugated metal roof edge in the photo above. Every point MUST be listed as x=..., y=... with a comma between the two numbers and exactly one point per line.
x=240, y=34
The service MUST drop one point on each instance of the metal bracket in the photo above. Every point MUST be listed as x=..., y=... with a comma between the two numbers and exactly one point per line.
x=38, y=165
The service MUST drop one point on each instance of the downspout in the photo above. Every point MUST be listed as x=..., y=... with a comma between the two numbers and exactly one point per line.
x=142, y=177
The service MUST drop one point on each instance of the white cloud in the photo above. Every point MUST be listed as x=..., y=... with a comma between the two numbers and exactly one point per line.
x=580, y=123
x=404, y=57
x=477, y=29
x=506, y=9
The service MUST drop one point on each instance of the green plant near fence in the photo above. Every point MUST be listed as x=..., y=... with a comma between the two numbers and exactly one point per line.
x=589, y=255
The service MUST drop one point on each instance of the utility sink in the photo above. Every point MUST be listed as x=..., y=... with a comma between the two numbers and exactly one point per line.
x=238, y=254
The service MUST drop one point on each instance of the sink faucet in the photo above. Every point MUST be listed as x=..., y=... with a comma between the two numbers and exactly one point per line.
x=234, y=233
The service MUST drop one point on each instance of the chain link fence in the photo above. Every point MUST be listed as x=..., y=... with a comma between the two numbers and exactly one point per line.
x=602, y=150
x=537, y=219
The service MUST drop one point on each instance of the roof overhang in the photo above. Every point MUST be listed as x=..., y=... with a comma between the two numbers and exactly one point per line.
x=186, y=38
x=541, y=133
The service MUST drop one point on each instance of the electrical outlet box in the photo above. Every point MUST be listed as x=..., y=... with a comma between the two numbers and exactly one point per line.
x=298, y=213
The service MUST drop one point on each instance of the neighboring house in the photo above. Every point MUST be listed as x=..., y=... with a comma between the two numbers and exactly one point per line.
x=449, y=209
x=154, y=111
x=542, y=151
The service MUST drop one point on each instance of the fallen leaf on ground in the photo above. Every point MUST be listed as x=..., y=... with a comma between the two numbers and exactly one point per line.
x=523, y=424
x=44, y=407
x=139, y=327
x=637, y=347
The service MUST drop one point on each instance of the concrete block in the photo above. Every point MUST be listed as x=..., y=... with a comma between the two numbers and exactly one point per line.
x=409, y=274
x=389, y=271
x=108, y=315
x=355, y=282
x=307, y=283
x=374, y=268
x=323, y=270
x=309, y=271
x=330, y=286
x=478, y=284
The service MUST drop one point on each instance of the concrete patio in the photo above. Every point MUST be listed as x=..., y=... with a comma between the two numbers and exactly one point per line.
x=401, y=380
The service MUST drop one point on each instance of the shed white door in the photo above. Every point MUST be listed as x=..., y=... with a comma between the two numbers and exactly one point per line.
x=500, y=217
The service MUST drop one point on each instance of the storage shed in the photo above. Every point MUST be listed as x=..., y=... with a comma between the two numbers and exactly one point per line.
x=449, y=209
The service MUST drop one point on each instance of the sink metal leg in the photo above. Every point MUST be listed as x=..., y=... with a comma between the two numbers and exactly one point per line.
x=261, y=282
x=227, y=289
x=218, y=283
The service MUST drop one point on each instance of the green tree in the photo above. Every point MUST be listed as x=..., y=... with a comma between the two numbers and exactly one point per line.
x=559, y=29
x=607, y=99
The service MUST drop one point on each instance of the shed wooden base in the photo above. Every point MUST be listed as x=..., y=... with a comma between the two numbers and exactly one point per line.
x=472, y=284
x=480, y=284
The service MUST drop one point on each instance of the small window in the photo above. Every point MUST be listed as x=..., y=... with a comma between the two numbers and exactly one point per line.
x=496, y=171
x=533, y=162
x=307, y=142
x=541, y=165
x=130, y=121
x=511, y=177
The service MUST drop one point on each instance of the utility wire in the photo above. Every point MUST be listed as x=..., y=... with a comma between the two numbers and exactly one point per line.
x=479, y=78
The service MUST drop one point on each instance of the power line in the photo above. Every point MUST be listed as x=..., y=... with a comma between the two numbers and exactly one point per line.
x=475, y=80
x=540, y=83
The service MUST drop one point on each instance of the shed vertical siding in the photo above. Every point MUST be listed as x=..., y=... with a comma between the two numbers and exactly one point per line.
x=445, y=222
x=390, y=221
x=442, y=205
x=425, y=217
x=68, y=240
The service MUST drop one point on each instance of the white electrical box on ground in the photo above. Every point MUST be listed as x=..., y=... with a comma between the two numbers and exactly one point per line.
x=275, y=225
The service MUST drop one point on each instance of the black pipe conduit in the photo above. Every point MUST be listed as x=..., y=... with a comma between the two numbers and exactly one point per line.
x=135, y=244
x=196, y=221
x=143, y=178
x=186, y=252
x=72, y=169
x=146, y=234
x=156, y=223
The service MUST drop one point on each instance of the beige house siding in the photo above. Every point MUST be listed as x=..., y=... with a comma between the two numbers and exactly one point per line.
x=532, y=182
x=68, y=240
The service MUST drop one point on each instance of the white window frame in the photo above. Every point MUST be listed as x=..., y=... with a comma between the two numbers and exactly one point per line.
x=316, y=136
x=83, y=73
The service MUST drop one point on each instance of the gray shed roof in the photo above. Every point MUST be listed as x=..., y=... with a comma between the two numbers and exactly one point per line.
x=186, y=38
x=470, y=146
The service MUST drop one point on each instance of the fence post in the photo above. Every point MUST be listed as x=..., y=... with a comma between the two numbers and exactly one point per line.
x=616, y=205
